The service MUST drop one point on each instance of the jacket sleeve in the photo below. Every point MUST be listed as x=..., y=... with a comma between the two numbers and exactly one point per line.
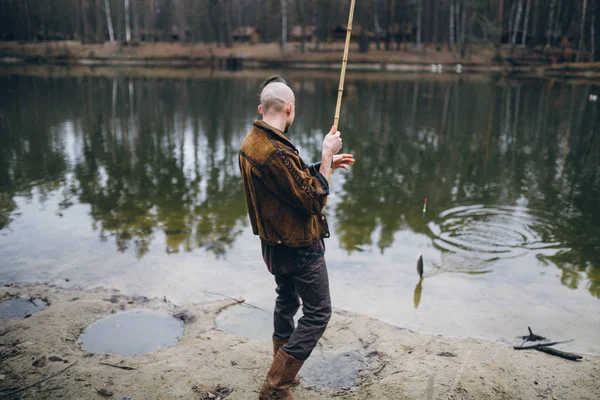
x=289, y=181
x=314, y=168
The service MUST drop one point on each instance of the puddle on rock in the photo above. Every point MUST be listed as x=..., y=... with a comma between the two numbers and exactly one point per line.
x=332, y=371
x=131, y=333
x=20, y=308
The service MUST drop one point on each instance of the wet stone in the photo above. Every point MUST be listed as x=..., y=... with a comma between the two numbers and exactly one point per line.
x=332, y=371
x=20, y=308
x=131, y=333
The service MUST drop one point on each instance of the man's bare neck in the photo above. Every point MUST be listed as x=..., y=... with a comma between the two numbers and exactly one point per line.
x=277, y=123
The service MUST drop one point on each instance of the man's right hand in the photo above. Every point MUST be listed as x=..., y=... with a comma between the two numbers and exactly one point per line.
x=332, y=144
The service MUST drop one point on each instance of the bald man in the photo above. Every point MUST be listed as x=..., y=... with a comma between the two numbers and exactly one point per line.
x=285, y=200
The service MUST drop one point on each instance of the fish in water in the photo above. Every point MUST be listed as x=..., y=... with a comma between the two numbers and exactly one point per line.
x=420, y=265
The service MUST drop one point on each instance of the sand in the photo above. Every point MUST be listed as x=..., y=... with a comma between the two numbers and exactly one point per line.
x=399, y=364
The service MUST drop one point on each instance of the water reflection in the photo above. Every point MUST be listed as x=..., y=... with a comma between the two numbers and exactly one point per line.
x=521, y=148
x=150, y=156
x=146, y=155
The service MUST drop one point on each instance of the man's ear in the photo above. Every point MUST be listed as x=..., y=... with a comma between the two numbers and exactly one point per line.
x=260, y=110
x=288, y=108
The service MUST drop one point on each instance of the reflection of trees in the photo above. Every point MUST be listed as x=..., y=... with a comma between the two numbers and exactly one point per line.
x=150, y=156
x=461, y=143
x=144, y=166
x=154, y=157
x=30, y=156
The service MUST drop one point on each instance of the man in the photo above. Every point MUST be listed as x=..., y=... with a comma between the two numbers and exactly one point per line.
x=285, y=200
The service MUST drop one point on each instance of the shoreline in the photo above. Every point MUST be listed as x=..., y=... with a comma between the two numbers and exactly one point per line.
x=398, y=363
x=133, y=71
x=268, y=57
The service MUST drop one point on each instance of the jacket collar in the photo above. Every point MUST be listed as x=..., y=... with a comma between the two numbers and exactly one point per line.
x=274, y=131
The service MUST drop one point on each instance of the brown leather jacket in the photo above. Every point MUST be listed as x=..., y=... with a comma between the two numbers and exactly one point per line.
x=285, y=197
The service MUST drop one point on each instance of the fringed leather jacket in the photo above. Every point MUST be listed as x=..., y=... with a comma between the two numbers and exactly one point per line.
x=284, y=196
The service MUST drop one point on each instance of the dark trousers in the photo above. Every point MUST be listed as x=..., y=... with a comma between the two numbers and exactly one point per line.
x=300, y=273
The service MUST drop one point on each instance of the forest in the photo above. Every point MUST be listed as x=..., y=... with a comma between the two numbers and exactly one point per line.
x=452, y=24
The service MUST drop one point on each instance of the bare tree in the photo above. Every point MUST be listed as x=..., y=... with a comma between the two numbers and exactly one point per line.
x=500, y=18
x=582, y=30
x=98, y=24
x=283, y=26
x=127, y=22
x=84, y=19
x=513, y=41
x=302, y=21
x=526, y=24
x=376, y=26
x=593, y=31
x=180, y=16
x=111, y=32
x=452, y=26
x=136, y=19
x=419, y=22
x=436, y=21
x=550, y=26
x=463, y=31
x=227, y=17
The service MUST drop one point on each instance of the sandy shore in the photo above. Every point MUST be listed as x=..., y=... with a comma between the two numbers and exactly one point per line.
x=398, y=364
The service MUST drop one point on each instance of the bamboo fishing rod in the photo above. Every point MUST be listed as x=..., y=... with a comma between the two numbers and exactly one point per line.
x=342, y=76
x=344, y=63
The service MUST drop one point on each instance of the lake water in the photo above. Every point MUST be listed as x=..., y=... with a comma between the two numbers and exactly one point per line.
x=133, y=183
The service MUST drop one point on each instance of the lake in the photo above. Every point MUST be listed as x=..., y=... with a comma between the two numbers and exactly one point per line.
x=132, y=182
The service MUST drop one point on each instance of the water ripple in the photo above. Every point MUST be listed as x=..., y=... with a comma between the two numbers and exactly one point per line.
x=492, y=233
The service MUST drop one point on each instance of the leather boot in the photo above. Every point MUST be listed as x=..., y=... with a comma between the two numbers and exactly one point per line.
x=280, y=377
x=277, y=344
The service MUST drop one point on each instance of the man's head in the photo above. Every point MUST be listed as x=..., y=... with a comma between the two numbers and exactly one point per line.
x=277, y=101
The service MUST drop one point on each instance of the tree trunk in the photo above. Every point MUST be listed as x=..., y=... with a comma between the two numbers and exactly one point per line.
x=582, y=30
x=227, y=16
x=463, y=27
x=180, y=18
x=536, y=19
x=111, y=32
x=513, y=41
x=98, y=24
x=511, y=21
x=550, y=27
x=436, y=22
x=593, y=31
x=457, y=27
x=47, y=21
x=451, y=36
x=376, y=26
x=302, y=20
x=127, y=22
x=500, y=19
x=419, y=22
x=135, y=17
x=283, y=26
x=84, y=20
x=152, y=19
x=526, y=24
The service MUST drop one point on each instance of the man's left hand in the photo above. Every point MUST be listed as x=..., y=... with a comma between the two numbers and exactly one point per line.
x=343, y=161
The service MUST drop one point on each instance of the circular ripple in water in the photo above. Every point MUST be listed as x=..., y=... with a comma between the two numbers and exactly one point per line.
x=492, y=233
